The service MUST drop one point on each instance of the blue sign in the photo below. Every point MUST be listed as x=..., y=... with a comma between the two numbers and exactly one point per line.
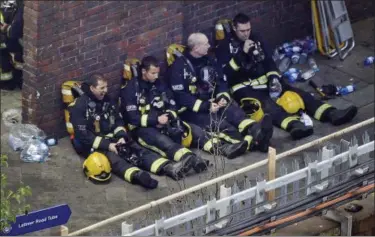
x=39, y=220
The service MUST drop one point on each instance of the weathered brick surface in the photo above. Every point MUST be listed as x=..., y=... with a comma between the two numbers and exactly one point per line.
x=68, y=40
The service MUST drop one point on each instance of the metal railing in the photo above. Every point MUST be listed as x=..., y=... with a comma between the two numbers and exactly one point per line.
x=337, y=165
x=196, y=196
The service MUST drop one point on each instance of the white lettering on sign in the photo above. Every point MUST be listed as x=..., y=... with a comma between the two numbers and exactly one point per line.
x=41, y=220
x=22, y=225
x=52, y=217
x=38, y=221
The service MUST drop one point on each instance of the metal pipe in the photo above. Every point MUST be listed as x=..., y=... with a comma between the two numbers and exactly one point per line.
x=249, y=193
x=307, y=212
x=303, y=204
x=219, y=179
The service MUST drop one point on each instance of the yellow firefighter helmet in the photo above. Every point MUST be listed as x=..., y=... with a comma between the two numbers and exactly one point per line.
x=130, y=68
x=174, y=50
x=291, y=102
x=252, y=107
x=97, y=167
x=187, y=136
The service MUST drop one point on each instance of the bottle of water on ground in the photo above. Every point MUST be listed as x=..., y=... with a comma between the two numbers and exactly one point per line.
x=312, y=64
x=346, y=89
x=369, y=61
x=275, y=89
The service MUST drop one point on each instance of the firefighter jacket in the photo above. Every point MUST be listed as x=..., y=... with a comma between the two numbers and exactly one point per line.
x=10, y=39
x=96, y=123
x=240, y=67
x=190, y=90
x=143, y=102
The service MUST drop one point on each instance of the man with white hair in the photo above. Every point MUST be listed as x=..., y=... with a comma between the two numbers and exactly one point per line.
x=200, y=88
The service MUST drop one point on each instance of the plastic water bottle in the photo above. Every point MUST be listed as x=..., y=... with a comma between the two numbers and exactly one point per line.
x=296, y=49
x=275, y=89
x=308, y=74
x=312, y=64
x=346, y=89
x=275, y=55
x=51, y=141
x=292, y=74
x=284, y=64
x=303, y=58
x=286, y=45
x=295, y=58
x=369, y=61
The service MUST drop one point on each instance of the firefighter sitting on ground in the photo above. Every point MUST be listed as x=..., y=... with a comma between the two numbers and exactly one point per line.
x=200, y=89
x=11, y=50
x=152, y=117
x=98, y=126
x=252, y=73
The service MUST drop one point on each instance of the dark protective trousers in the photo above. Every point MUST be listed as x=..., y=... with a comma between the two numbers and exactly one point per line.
x=231, y=123
x=280, y=118
x=148, y=160
x=153, y=139
x=10, y=77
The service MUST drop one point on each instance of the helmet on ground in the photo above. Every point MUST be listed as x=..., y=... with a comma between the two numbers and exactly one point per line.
x=291, y=102
x=252, y=107
x=97, y=167
x=187, y=136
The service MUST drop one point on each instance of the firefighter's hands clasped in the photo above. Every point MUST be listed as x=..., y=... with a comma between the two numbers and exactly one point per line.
x=112, y=147
x=121, y=141
x=163, y=119
x=214, y=107
x=222, y=102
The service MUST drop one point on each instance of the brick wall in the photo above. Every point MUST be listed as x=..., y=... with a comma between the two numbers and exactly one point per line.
x=67, y=40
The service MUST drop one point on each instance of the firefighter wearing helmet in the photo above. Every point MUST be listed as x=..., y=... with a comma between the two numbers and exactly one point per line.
x=152, y=117
x=100, y=135
x=200, y=87
x=11, y=49
x=252, y=74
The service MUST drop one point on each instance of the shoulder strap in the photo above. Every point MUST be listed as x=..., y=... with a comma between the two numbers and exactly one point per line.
x=187, y=61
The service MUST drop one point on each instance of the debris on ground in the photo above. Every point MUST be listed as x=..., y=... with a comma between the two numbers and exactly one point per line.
x=295, y=52
x=369, y=61
x=12, y=117
x=20, y=134
x=35, y=150
x=353, y=207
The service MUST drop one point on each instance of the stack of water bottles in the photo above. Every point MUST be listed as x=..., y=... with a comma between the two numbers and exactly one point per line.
x=294, y=52
x=294, y=74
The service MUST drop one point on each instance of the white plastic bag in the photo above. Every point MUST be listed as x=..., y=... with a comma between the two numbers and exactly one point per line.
x=20, y=134
x=35, y=150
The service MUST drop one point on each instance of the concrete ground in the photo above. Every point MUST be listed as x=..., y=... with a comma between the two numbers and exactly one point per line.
x=60, y=179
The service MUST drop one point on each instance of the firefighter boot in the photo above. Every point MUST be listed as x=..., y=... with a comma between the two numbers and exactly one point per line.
x=261, y=133
x=144, y=179
x=199, y=164
x=177, y=170
x=341, y=116
x=232, y=151
x=299, y=130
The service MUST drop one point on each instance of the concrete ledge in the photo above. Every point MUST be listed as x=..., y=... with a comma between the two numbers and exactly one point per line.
x=317, y=225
